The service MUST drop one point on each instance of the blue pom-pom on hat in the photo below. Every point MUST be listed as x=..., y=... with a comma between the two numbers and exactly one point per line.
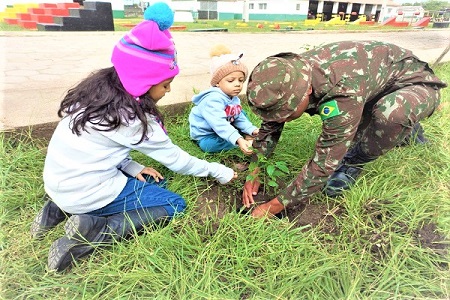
x=160, y=13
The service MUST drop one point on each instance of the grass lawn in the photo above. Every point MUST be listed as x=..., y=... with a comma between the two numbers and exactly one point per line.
x=262, y=26
x=126, y=24
x=387, y=238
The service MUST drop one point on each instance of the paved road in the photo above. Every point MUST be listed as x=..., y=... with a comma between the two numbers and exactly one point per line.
x=39, y=67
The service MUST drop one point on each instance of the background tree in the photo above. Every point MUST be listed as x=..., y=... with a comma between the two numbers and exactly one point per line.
x=431, y=5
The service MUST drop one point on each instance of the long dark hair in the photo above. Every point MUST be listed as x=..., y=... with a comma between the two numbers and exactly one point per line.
x=101, y=100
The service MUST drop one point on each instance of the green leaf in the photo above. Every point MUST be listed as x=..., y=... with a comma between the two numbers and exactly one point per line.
x=270, y=169
x=282, y=166
x=253, y=165
x=261, y=158
x=272, y=183
x=277, y=173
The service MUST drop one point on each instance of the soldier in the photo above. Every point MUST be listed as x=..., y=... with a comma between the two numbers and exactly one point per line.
x=370, y=96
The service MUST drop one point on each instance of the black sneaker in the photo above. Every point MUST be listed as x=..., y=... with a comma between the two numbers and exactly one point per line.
x=344, y=177
x=48, y=217
x=82, y=234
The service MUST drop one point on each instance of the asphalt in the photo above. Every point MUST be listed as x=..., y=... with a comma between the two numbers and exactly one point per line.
x=39, y=67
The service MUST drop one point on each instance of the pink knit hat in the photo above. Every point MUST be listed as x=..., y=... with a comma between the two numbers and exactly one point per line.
x=146, y=55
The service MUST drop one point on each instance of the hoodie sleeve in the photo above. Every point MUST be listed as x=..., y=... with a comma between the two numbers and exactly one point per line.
x=130, y=167
x=243, y=124
x=159, y=147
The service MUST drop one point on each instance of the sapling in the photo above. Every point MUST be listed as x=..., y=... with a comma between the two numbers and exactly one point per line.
x=272, y=171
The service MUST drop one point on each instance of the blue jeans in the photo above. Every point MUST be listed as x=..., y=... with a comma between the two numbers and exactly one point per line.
x=137, y=194
x=214, y=143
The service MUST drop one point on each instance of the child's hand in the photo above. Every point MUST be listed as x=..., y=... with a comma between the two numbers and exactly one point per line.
x=255, y=132
x=245, y=146
x=149, y=171
x=235, y=176
x=222, y=180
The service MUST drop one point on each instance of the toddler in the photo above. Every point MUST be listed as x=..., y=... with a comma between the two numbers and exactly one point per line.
x=217, y=121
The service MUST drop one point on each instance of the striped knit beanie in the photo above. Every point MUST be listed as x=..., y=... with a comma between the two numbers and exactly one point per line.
x=224, y=63
x=146, y=55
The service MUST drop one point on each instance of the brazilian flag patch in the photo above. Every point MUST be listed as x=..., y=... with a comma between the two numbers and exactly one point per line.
x=329, y=109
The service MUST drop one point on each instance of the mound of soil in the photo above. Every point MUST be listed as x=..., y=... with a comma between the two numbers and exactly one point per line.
x=215, y=202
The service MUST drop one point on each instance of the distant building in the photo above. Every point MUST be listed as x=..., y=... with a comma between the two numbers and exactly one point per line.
x=253, y=10
x=278, y=10
x=404, y=13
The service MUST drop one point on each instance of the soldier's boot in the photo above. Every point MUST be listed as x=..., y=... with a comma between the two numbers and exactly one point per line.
x=347, y=172
x=84, y=233
x=416, y=137
x=48, y=217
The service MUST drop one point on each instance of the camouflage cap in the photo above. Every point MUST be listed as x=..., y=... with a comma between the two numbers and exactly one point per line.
x=277, y=85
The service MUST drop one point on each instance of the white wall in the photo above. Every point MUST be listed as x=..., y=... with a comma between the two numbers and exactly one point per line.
x=183, y=9
x=281, y=7
x=231, y=7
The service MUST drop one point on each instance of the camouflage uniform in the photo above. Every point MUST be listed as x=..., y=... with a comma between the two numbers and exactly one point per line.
x=370, y=92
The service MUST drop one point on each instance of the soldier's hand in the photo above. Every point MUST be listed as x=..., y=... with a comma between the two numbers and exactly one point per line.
x=268, y=209
x=250, y=189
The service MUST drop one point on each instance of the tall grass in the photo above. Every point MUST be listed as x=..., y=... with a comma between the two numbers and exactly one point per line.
x=377, y=252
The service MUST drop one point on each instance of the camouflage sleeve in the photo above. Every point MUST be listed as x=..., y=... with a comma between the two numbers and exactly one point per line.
x=337, y=134
x=268, y=137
